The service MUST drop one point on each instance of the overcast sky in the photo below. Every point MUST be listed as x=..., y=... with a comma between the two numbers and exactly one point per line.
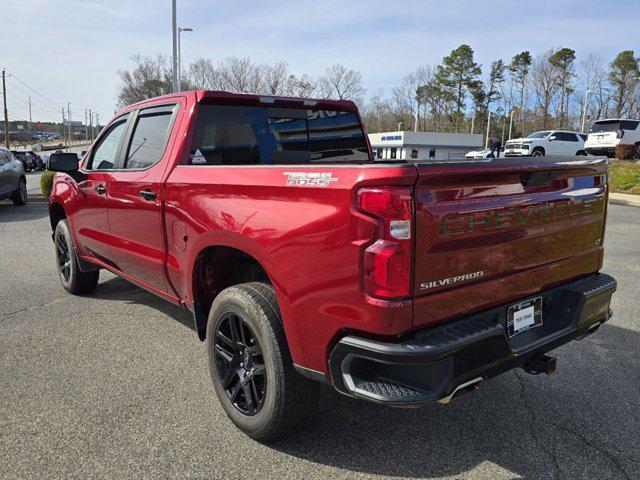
x=70, y=51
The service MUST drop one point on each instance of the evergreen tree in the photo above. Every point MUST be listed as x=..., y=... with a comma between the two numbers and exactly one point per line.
x=519, y=69
x=563, y=60
x=624, y=77
x=457, y=75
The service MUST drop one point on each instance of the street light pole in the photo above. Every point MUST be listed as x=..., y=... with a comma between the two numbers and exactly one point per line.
x=587, y=94
x=488, y=125
x=180, y=30
x=6, y=115
x=174, y=32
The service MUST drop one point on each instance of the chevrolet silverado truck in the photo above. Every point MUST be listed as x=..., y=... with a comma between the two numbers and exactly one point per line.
x=304, y=261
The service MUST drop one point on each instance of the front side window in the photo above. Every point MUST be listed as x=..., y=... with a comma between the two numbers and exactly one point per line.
x=230, y=135
x=149, y=139
x=104, y=155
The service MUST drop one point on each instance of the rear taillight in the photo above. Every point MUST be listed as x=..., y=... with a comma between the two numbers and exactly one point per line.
x=387, y=261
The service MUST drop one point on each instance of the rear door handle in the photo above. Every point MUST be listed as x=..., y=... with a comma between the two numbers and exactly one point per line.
x=100, y=189
x=148, y=195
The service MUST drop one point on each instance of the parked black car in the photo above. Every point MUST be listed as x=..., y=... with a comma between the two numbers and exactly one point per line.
x=13, y=182
x=30, y=161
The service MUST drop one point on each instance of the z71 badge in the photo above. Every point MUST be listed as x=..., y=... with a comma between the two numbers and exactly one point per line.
x=309, y=179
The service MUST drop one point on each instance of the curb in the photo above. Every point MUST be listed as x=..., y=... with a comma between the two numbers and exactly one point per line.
x=37, y=198
x=624, y=199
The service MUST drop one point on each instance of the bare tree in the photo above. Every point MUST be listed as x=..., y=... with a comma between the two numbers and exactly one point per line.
x=150, y=77
x=303, y=86
x=342, y=83
x=377, y=113
x=544, y=83
x=204, y=75
x=241, y=75
x=275, y=77
x=592, y=77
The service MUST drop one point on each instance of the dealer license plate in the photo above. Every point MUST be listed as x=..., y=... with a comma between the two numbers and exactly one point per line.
x=524, y=316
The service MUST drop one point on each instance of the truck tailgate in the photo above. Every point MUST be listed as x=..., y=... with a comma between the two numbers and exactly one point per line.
x=491, y=232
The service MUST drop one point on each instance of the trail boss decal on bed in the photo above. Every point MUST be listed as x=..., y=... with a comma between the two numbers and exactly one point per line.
x=451, y=280
x=529, y=214
x=309, y=179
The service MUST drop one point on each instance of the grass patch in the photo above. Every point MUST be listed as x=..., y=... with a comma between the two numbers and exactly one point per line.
x=624, y=177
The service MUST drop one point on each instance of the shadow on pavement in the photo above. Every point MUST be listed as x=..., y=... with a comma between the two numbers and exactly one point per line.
x=31, y=211
x=580, y=423
x=119, y=289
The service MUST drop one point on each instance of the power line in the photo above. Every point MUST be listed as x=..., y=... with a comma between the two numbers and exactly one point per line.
x=14, y=76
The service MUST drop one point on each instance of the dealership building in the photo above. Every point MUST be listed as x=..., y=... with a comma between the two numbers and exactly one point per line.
x=423, y=145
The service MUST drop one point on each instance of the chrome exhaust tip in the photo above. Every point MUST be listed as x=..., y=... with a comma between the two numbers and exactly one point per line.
x=462, y=388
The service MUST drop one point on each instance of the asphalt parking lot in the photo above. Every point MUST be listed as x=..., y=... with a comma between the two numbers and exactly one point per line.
x=115, y=385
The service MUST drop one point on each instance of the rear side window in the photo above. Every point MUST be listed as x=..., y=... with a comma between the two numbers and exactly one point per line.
x=149, y=138
x=230, y=135
x=566, y=137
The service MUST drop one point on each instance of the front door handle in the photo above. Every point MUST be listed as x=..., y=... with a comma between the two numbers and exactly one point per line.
x=100, y=189
x=148, y=195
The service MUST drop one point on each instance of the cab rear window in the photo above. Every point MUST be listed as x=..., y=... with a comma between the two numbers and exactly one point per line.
x=232, y=135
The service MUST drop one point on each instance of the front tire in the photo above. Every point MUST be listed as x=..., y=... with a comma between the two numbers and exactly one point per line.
x=20, y=197
x=72, y=278
x=250, y=364
x=537, y=152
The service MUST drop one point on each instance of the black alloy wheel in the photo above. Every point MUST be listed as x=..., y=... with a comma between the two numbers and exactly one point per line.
x=64, y=257
x=240, y=364
x=21, y=196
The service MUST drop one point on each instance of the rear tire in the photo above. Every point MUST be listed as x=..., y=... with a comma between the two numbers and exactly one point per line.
x=73, y=280
x=20, y=197
x=250, y=365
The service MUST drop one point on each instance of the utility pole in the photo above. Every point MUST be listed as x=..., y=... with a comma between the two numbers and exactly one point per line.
x=91, y=125
x=174, y=32
x=97, y=123
x=62, y=110
x=6, y=114
x=69, y=120
x=30, y=124
x=473, y=121
x=86, y=126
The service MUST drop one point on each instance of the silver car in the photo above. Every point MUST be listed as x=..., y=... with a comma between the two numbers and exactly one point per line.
x=13, y=182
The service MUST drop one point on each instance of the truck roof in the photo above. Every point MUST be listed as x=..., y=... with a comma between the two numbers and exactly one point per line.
x=221, y=96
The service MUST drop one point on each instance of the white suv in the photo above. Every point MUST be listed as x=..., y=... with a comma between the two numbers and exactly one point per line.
x=548, y=142
x=606, y=134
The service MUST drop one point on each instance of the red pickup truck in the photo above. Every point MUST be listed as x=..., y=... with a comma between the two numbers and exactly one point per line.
x=303, y=260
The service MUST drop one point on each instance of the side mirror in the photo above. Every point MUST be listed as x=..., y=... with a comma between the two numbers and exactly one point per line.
x=63, y=162
x=552, y=138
